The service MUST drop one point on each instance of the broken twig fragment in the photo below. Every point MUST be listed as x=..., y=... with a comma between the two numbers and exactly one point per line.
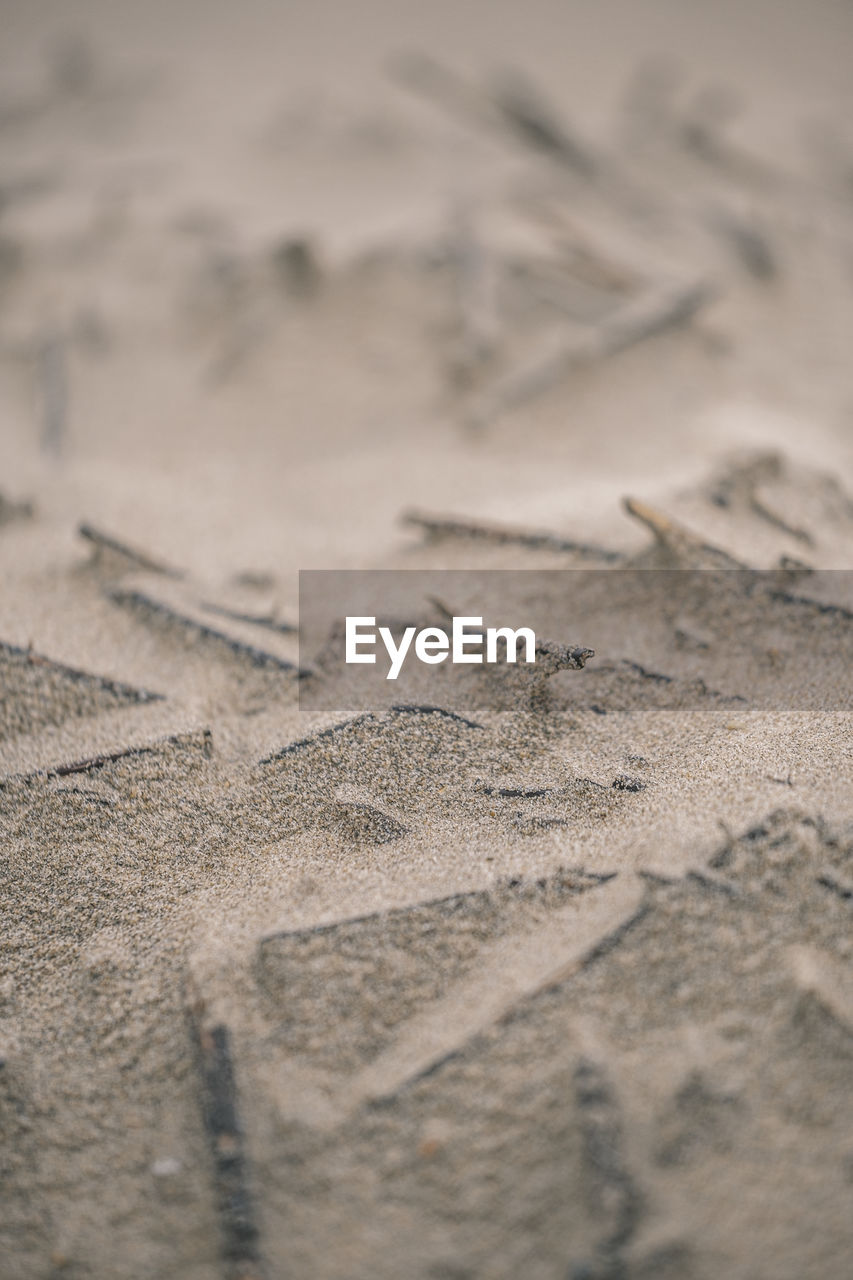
x=240, y=1234
x=535, y=123
x=159, y=607
x=571, y=938
x=436, y=527
x=676, y=546
x=105, y=543
x=739, y=488
x=646, y=316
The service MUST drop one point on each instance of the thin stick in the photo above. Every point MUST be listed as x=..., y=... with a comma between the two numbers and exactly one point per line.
x=452, y=901
x=436, y=527
x=534, y=122
x=608, y=1178
x=258, y=657
x=74, y=673
x=679, y=544
x=267, y=620
x=652, y=313
x=476, y=283
x=139, y=559
x=98, y=762
x=815, y=606
x=834, y=880
x=570, y=939
x=426, y=709
x=310, y=741
x=514, y=103
x=220, y=1117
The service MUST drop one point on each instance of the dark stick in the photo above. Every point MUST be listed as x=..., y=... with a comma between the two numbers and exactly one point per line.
x=98, y=762
x=436, y=526
x=317, y=737
x=535, y=123
x=608, y=1178
x=106, y=542
x=256, y=619
x=832, y=879
x=514, y=104
x=816, y=606
x=402, y=708
x=452, y=901
x=74, y=673
x=258, y=657
x=239, y=1230
x=646, y=316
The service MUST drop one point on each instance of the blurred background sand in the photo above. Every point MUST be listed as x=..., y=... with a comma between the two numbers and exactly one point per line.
x=156, y=157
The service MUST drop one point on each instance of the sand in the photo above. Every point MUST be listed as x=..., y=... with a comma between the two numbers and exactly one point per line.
x=548, y=981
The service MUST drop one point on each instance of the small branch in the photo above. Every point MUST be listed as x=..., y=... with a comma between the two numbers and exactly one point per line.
x=105, y=542
x=436, y=527
x=646, y=316
x=220, y=1117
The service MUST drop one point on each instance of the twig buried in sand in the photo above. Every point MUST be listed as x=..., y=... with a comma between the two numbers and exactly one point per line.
x=267, y=620
x=571, y=938
x=529, y=823
x=751, y=245
x=426, y=709
x=657, y=677
x=93, y=763
x=145, y=601
x=220, y=1116
x=604, y=907
x=74, y=673
x=815, y=606
x=475, y=276
x=532, y=119
x=646, y=316
x=106, y=543
x=514, y=103
x=452, y=901
x=436, y=526
x=739, y=487
x=333, y=729
x=676, y=544
x=366, y=717
x=608, y=1180
x=834, y=880
x=713, y=880
x=514, y=793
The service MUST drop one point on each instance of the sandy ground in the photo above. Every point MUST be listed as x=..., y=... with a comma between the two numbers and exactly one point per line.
x=553, y=985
